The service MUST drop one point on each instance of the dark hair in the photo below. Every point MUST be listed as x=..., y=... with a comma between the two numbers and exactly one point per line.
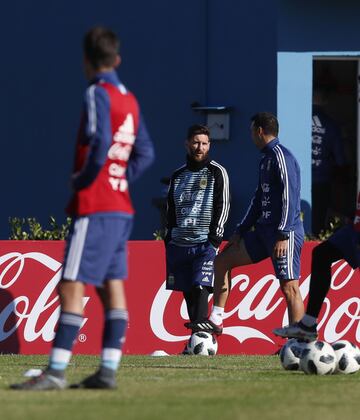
x=267, y=121
x=101, y=46
x=196, y=129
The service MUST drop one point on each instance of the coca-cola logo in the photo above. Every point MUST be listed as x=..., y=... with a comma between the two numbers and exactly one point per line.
x=26, y=311
x=29, y=305
x=261, y=299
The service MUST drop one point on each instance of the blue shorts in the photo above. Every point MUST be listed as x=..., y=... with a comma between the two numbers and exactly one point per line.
x=96, y=249
x=346, y=240
x=260, y=244
x=188, y=266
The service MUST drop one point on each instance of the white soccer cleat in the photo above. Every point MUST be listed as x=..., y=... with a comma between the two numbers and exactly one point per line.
x=43, y=382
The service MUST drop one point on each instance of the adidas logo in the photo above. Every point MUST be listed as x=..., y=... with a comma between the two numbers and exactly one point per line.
x=317, y=126
x=126, y=132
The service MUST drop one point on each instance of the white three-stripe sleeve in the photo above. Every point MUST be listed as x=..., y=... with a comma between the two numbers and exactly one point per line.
x=91, y=109
x=285, y=180
x=224, y=207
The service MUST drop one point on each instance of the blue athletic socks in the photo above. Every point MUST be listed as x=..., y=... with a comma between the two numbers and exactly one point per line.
x=68, y=328
x=114, y=336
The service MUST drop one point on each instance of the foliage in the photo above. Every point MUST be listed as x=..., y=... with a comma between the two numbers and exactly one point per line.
x=334, y=225
x=159, y=235
x=30, y=229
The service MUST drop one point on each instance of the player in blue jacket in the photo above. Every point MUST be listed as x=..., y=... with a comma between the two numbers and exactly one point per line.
x=327, y=163
x=271, y=227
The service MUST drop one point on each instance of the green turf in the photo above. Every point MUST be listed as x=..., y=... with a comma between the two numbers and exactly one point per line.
x=185, y=387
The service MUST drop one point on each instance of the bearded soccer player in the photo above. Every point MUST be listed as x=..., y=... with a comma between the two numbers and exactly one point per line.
x=271, y=227
x=113, y=148
x=198, y=208
x=343, y=244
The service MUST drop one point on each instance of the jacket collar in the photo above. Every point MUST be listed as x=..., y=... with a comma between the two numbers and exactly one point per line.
x=270, y=145
x=107, y=77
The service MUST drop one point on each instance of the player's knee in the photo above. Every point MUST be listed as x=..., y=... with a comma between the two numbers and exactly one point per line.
x=290, y=289
x=71, y=294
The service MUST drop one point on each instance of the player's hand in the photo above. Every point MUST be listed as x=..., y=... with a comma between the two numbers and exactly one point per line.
x=234, y=240
x=280, y=248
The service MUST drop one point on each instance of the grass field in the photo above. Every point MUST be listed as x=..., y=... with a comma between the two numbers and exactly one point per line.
x=183, y=387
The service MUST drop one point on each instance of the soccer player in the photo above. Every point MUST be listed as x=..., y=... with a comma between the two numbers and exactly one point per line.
x=343, y=244
x=327, y=163
x=198, y=208
x=270, y=228
x=113, y=148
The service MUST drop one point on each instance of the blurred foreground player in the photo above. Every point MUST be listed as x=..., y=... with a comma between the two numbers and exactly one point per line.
x=198, y=208
x=271, y=227
x=343, y=244
x=113, y=148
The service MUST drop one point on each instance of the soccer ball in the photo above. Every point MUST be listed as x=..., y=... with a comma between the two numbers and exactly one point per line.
x=348, y=357
x=290, y=354
x=203, y=344
x=318, y=358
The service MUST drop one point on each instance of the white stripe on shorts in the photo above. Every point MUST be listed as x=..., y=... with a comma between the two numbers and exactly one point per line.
x=290, y=251
x=76, y=247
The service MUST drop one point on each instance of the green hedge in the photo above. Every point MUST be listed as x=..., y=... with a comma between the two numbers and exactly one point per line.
x=30, y=229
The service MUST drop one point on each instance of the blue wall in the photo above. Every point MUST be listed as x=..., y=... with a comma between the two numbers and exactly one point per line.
x=174, y=53
x=321, y=25
x=241, y=73
x=163, y=62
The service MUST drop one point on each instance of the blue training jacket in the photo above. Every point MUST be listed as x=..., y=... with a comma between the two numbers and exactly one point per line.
x=97, y=133
x=327, y=147
x=276, y=202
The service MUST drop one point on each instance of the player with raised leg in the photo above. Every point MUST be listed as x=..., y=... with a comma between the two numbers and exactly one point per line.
x=343, y=244
x=274, y=215
x=113, y=149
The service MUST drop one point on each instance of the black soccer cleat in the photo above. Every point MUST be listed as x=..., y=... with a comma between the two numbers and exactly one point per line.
x=96, y=381
x=206, y=325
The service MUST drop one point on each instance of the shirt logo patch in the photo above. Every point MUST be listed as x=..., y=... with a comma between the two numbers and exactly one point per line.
x=203, y=182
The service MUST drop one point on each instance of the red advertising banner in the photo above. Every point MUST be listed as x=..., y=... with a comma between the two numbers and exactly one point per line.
x=29, y=306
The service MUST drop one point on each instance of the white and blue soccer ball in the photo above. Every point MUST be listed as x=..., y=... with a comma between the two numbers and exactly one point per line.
x=318, y=358
x=347, y=357
x=202, y=344
x=290, y=354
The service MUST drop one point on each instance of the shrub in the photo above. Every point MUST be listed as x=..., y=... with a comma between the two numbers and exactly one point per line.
x=30, y=229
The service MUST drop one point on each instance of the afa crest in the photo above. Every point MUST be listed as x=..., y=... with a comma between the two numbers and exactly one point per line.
x=203, y=182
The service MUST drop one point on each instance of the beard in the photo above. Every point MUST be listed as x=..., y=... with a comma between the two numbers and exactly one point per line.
x=198, y=157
